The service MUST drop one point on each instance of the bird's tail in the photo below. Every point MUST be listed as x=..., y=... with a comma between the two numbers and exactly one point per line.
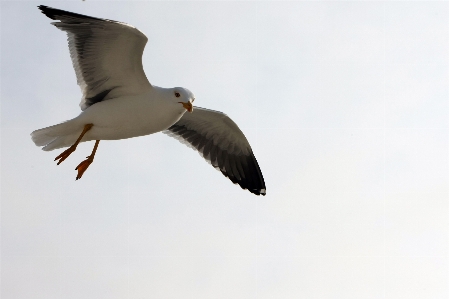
x=57, y=136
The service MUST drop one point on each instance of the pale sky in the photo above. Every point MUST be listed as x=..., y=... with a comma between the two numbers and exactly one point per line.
x=345, y=104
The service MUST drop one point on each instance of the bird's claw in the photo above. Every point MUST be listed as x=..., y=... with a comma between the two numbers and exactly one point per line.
x=65, y=154
x=82, y=167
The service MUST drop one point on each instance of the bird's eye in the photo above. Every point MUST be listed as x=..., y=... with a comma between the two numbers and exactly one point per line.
x=177, y=94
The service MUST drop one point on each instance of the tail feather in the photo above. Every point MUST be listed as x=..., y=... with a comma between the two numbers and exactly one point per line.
x=56, y=136
x=41, y=139
x=58, y=142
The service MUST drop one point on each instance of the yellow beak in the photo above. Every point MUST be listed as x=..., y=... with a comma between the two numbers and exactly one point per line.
x=188, y=106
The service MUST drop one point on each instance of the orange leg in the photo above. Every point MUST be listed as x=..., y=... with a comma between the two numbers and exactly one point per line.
x=83, y=165
x=71, y=149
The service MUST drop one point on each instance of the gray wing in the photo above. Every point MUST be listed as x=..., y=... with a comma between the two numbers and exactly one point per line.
x=219, y=140
x=106, y=55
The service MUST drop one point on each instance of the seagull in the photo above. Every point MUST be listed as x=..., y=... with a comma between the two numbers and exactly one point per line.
x=118, y=102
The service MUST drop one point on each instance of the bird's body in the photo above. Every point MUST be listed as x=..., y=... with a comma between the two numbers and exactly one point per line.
x=119, y=102
x=117, y=118
x=131, y=116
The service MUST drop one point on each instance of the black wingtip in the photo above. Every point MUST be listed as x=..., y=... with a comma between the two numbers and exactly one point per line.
x=48, y=11
x=57, y=14
x=255, y=183
x=250, y=176
x=258, y=192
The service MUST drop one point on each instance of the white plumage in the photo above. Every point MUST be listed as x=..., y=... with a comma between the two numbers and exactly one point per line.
x=118, y=102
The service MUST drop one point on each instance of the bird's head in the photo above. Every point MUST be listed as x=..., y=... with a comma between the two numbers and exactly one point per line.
x=184, y=97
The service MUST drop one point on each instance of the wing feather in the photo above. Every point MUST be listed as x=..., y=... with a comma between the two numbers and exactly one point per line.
x=220, y=141
x=106, y=55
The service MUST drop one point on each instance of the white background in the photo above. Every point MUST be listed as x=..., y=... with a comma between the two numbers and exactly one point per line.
x=345, y=105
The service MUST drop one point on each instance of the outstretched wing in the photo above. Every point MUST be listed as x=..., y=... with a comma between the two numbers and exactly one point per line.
x=219, y=140
x=106, y=55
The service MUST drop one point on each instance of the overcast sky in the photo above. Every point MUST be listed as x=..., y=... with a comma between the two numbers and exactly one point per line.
x=345, y=105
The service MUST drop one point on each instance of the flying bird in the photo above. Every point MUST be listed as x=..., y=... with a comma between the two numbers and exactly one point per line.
x=118, y=102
